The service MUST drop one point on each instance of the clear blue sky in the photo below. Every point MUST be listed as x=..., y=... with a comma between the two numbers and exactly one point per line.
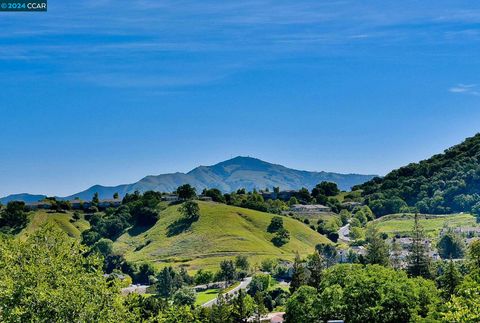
x=105, y=92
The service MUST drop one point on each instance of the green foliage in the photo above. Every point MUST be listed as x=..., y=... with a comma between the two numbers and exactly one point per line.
x=104, y=247
x=276, y=224
x=227, y=270
x=203, y=277
x=464, y=305
x=260, y=283
x=190, y=210
x=184, y=296
x=241, y=262
x=215, y=194
x=445, y=183
x=451, y=246
x=449, y=279
x=302, y=306
x=13, y=218
x=418, y=258
x=299, y=275
x=377, y=249
x=281, y=237
x=168, y=282
x=186, y=192
x=48, y=278
x=326, y=189
x=356, y=293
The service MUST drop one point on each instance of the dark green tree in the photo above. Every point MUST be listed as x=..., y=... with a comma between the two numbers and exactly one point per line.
x=190, y=210
x=451, y=245
x=186, y=192
x=227, y=271
x=418, y=258
x=299, y=275
x=377, y=249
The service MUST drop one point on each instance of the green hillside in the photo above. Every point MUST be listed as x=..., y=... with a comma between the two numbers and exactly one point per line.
x=221, y=232
x=444, y=183
x=402, y=224
x=64, y=221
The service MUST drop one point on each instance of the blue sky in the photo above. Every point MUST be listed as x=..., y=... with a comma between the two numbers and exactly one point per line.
x=106, y=92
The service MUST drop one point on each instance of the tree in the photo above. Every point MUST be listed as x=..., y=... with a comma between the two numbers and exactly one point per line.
x=373, y=293
x=190, y=210
x=53, y=280
x=299, y=275
x=243, y=306
x=395, y=251
x=449, y=280
x=13, y=217
x=186, y=192
x=260, y=283
x=242, y=263
x=184, y=296
x=315, y=265
x=215, y=194
x=203, y=277
x=145, y=216
x=168, y=282
x=260, y=309
x=474, y=254
x=95, y=199
x=302, y=306
x=451, y=245
x=115, y=195
x=275, y=224
x=227, y=271
x=281, y=237
x=328, y=252
x=292, y=201
x=464, y=304
x=325, y=189
x=418, y=259
x=104, y=247
x=377, y=250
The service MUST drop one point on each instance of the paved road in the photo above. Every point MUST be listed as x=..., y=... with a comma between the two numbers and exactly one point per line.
x=243, y=285
x=343, y=233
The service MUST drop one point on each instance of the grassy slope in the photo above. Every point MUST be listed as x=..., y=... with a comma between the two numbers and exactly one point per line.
x=221, y=232
x=402, y=223
x=61, y=220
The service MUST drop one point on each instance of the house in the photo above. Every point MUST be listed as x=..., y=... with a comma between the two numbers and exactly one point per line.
x=309, y=209
x=205, y=198
x=170, y=198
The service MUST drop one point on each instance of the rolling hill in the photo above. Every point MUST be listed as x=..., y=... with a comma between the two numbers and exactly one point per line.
x=221, y=232
x=402, y=224
x=444, y=183
x=227, y=176
x=64, y=221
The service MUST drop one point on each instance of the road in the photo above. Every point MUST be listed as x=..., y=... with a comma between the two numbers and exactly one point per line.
x=243, y=285
x=343, y=233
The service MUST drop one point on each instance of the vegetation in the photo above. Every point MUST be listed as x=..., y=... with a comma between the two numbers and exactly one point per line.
x=222, y=232
x=445, y=183
x=51, y=280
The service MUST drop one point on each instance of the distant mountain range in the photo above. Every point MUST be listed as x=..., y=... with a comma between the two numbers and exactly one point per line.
x=227, y=176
